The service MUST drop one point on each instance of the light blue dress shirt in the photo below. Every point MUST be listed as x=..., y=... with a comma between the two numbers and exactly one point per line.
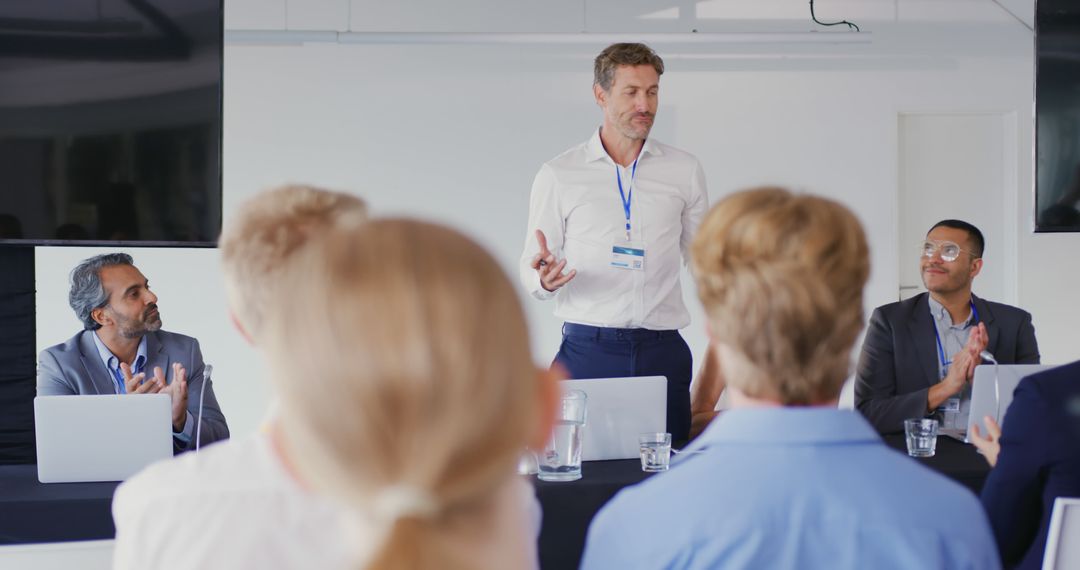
x=952, y=338
x=785, y=488
x=112, y=364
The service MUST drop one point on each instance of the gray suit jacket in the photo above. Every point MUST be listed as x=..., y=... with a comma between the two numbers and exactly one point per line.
x=75, y=367
x=899, y=359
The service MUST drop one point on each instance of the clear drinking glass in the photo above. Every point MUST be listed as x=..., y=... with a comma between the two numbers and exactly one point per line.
x=655, y=451
x=561, y=459
x=921, y=437
x=527, y=464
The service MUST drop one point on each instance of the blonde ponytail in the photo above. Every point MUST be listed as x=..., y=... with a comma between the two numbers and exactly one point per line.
x=407, y=383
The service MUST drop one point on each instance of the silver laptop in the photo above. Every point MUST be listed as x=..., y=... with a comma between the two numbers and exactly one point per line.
x=617, y=411
x=100, y=437
x=992, y=391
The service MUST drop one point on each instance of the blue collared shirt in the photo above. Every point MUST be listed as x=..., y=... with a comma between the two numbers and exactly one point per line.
x=953, y=337
x=112, y=363
x=789, y=488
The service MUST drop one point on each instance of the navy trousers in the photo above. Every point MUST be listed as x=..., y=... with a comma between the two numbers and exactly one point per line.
x=596, y=352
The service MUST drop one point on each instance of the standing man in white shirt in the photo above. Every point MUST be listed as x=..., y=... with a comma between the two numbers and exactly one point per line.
x=610, y=223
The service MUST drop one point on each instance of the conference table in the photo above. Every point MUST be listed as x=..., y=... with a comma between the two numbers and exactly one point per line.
x=34, y=512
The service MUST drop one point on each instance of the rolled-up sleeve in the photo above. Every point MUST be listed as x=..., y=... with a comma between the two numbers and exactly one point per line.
x=544, y=215
x=696, y=208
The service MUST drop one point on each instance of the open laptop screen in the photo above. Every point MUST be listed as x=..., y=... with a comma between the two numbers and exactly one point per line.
x=617, y=411
x=100, y=437
x=992, y=391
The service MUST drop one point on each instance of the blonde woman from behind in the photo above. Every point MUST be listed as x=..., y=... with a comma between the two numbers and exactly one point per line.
x=235, y=504
x=407, y=391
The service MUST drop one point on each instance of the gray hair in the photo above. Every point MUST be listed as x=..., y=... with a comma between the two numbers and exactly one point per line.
x=87, y=293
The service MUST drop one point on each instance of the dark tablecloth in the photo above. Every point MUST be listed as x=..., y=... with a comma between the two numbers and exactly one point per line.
x=570, y=507
x=956, y=460
x=36, y=512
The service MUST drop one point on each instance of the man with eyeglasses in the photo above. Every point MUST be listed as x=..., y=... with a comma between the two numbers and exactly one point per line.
x=920, y=353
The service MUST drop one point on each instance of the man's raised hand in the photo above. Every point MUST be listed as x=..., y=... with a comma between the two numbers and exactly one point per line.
x=548, y=268
x=178, y=391
x=133, y=383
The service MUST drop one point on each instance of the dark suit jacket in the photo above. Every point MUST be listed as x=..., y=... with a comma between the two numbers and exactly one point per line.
x=75, y=367
x=899, y=359
x=1039, y=461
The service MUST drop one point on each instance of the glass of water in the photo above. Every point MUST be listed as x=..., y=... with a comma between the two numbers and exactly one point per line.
x=921, y=437
x=655, y=451
x=561, y=458
x=527, y=463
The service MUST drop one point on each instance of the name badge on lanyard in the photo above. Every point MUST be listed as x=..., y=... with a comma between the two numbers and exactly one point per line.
x=950, y=405
x=953, y=403
x=627, y=254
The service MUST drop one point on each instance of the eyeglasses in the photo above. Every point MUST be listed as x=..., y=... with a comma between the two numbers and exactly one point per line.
x=949, y=250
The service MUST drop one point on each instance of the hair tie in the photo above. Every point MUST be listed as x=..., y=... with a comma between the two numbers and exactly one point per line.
x=400, y=501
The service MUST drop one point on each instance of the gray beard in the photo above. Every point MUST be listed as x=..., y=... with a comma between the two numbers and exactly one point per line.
x=139, y=331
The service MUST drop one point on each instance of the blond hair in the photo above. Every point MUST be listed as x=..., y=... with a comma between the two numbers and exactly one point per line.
x=781, y=278
x=266, y=230
x=404, y=367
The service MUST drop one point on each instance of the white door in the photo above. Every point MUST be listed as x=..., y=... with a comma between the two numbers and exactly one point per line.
x=958, y=166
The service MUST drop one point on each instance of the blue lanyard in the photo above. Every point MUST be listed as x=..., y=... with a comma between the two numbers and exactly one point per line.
x=627, y=196
x=941, y=349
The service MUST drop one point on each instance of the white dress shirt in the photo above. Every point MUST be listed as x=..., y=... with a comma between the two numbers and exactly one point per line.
x=232, y=505
x=575, y=201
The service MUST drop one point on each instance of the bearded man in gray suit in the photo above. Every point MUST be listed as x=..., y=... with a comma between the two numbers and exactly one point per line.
x=122, y=350
x=920, y=354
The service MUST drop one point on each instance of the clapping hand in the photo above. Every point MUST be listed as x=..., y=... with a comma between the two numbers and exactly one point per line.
x=139, y=384
x=178, y=391
x=550, y=269
x=990, y=445
x=134, y=384
x=964, y=362
x=978, y=340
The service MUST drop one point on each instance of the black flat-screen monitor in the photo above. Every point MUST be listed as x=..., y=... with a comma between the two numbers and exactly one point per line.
x=110, y=122
x=1057, y=116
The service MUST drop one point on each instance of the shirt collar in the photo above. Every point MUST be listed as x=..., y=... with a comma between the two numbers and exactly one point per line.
x=787, y=425
x=113, y=363
x=941, y=314
x=594, y=149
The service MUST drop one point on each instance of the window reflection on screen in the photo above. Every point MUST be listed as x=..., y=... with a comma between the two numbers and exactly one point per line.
x=1057, y=115
x=110, y=121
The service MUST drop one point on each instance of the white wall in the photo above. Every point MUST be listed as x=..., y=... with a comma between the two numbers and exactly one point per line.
x=456, y=133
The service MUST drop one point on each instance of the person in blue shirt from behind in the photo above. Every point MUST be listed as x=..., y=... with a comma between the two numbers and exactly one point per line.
x=784, y=479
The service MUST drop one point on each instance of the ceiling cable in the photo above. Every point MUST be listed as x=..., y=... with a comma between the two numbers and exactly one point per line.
x=841, y=22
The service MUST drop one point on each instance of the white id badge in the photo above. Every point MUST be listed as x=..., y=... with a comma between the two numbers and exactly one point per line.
x=950, y=405
x=628, y=255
